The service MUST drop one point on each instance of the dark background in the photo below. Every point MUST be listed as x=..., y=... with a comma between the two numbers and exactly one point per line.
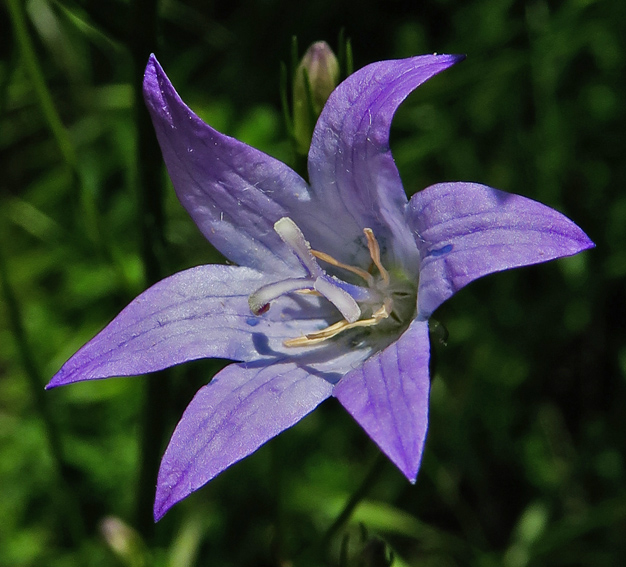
x=524, y=464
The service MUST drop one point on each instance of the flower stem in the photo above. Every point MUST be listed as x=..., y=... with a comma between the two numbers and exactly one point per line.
x=143, y=22
x=29, y=58
x=63, y=496
x=61, y=135
x=355, y=499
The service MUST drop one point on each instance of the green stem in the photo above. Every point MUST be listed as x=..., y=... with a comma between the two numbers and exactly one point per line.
x=29, y=57
x=151, y=216
x=63, y=496
x=316, y=553
x=89, y=216
x=66, y=503
x=358, y=495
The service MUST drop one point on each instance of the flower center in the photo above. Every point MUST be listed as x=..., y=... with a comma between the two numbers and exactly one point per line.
x=383, y=298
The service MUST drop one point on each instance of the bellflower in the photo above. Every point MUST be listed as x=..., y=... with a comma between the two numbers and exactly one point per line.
x=332, y=285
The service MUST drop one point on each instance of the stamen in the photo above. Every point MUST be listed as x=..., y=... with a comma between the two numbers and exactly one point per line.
x=374, y=249
x=319, y=336
x=308, y=292
x=336, y=328
x=330, y=260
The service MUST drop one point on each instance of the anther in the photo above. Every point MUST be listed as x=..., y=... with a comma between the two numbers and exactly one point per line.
x=330, y=260
x=374, y=248
x=336, y=328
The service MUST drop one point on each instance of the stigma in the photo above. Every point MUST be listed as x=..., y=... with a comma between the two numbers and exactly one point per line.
x=360, y=306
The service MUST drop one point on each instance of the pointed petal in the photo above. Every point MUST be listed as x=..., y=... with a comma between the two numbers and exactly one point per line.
x=199, y=313
x=351, y=169
x=388, y=396
x=233, y=192
x=465, y=231
x=238, y=411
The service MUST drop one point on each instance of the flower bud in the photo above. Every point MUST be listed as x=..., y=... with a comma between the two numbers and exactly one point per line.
x=124, y=541
x=315, y=78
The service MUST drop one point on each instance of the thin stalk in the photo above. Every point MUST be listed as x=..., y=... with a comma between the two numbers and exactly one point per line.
x=64, y=497
x=29, y=57
x=359, y=494
x=142, y=41
x=28, y=54
x=316, y=553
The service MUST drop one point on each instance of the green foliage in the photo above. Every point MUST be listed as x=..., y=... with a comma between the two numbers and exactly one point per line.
x=525, y=461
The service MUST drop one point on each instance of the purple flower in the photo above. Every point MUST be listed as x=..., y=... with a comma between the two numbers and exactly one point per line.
x=333, y=284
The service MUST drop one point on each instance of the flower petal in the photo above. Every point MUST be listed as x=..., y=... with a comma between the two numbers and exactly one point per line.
x=351, y=169
x=233, y=192
x=388, y=396
x=466, y=230
x=199, y=313
x=238, y=411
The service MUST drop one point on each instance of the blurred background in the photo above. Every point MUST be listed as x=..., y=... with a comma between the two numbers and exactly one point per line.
x=525, y=460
